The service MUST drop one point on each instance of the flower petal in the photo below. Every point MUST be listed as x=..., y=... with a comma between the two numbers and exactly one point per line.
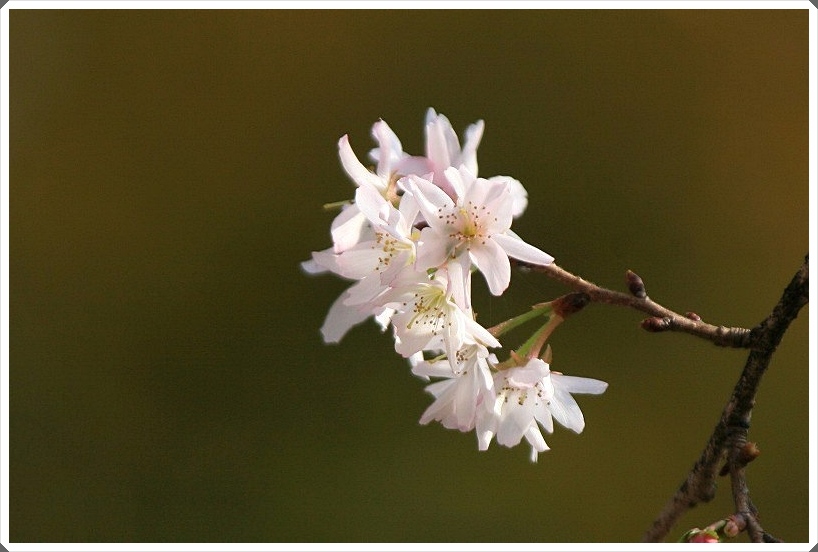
x=340, y=319
x=514, y=423
x=575, y=384
x=457, y=181
x=566, y=410
x=432, y=251
x=347, y=228
x=441, y=139
x=459, y=270
x=389, y=150
x=468, y=156
x=355, y=169
x=481, y=334
x=373, y=205
x=519, y=195
x=518, y=249
x=490, y=259
x=433, y=202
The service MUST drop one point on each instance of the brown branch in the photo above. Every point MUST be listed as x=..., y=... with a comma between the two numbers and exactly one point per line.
x=729, y=438
x=661, y=318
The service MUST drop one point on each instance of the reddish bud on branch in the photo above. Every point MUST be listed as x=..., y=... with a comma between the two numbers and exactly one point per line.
x=657, y=324
x=744, y=456
x=734, y=526
x=704, y=536
x=635, y=284
x=569, y=304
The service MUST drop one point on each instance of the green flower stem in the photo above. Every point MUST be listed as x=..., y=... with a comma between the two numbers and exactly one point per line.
x=534, y=344
x=540, y=309
x=336, y=205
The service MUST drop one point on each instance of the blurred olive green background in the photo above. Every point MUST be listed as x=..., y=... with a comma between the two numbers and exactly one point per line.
x=168, y=168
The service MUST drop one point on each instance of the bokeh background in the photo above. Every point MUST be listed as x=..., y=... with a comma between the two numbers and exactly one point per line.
x=168, y=168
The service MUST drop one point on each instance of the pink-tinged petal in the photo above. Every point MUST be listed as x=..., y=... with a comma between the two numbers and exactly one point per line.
x=436, y=149
x=414, y=165
x=526, y=377
x=373, y=205
x=364, y=292
x=410, y=342
x=347, y=228
x=459, y=270
x=441, y=139
x=440, y=388
x=409, y=210
x=401, y=262
x=326, y=259
x=340, y=319
x=389, y=150
x=438, y=369
x=459, y=182
x=468, y=156
x=519, y=195
x=311, y=267
x=355, y=263
x=355, y=169
x=432, y=250
x=454, y=334
x=518, y=249
x=492, y=261
x=438, y=409
x=432, y=202
x=499, y=205
x=480, y=191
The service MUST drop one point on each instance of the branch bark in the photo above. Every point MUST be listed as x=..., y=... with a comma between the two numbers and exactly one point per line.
x=729, y=437
x=661, y=318
x=730, y=434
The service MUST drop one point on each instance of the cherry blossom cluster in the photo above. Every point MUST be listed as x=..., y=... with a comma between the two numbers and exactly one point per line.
x=416, y=231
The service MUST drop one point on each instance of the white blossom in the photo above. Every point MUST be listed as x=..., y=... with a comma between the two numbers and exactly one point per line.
x=426, y=317
x=466, y=384
x=528, y=397
x=472, y=229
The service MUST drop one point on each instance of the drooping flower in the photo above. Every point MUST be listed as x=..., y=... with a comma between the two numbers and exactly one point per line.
x=466, y=384
x=528, y=397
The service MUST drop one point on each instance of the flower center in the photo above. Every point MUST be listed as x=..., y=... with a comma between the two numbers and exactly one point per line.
x=391, y=248
x=429, y=312
x=539, y=391
x=469, y=223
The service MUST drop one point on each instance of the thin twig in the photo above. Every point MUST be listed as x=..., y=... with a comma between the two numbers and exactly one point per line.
x=730, y=434
x=662, y=318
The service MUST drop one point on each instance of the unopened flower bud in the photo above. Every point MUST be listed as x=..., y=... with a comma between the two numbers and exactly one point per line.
x=656, y=324
x=635, y=284
x=693, y=316
x=748, y=453
x=703, y=536
x=569, y=304
x=731, y=529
